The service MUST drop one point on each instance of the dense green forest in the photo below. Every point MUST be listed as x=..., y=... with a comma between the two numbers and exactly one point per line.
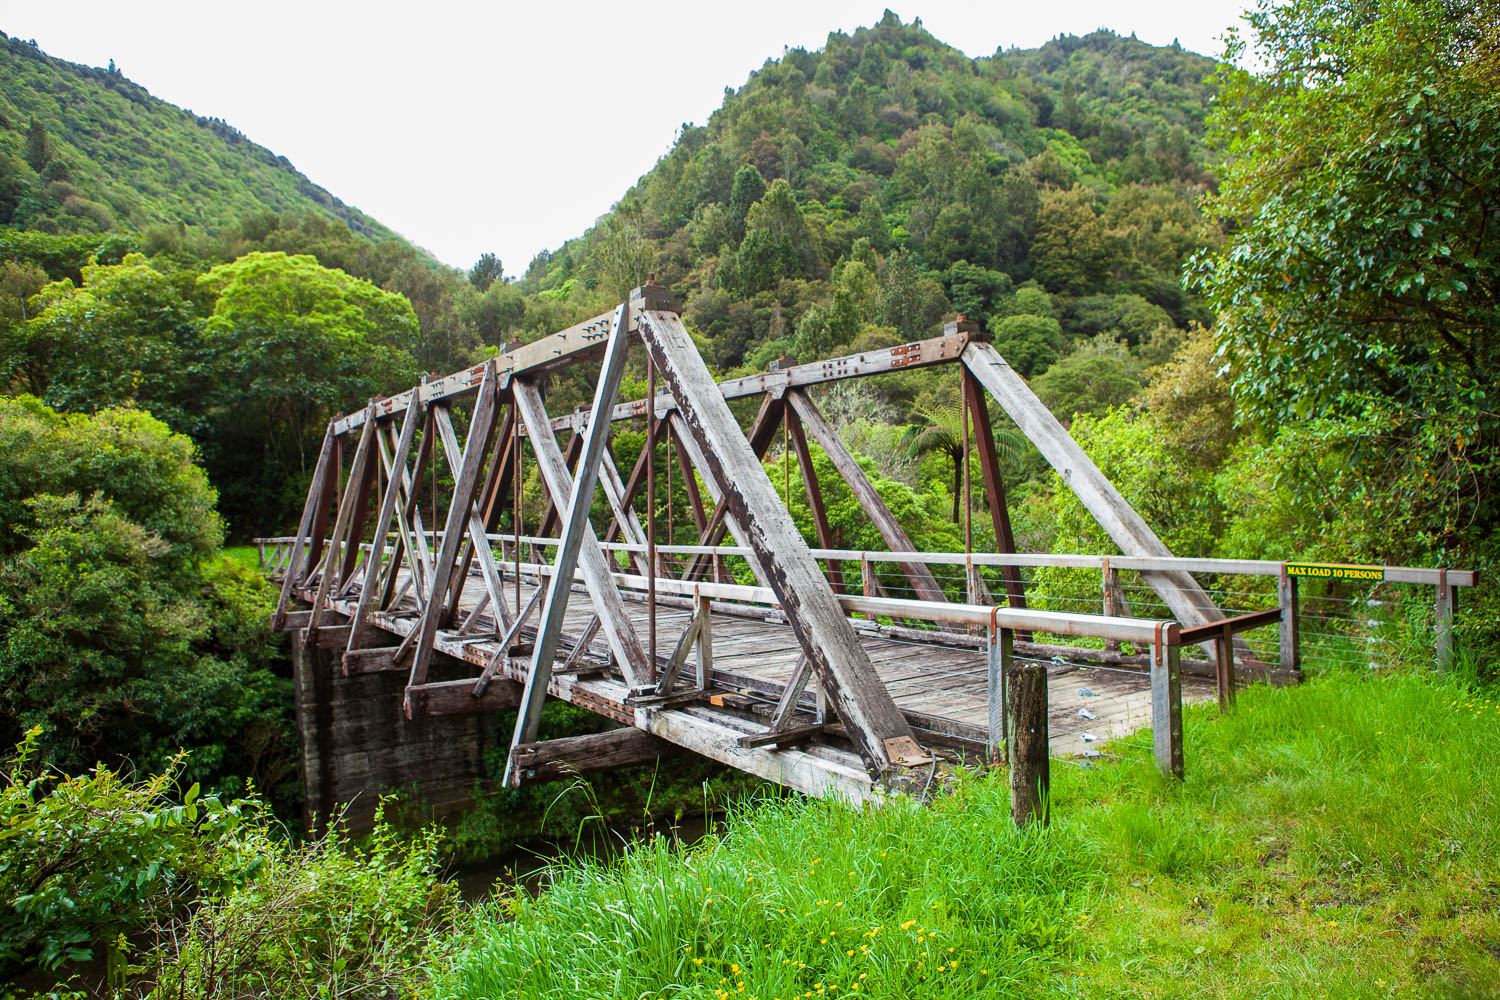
x=1264, y=300
x=85, y=150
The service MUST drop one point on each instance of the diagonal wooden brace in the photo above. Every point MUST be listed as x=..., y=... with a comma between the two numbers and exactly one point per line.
x=316, y=499
x=493, y=584
x=1188, y=601
x=466, y=482
x=854, y=689
x=383, y=521
x=810, y=417
x=579, y=547
x=355, y=492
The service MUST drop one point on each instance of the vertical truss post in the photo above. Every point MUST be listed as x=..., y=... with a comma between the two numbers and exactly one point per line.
x=383, y=521
x=315, y=500
x=920, y=577
x=577, y=533
x=814, y=497
x=875, y=725
x=355, y=492
x=994, y=487
x=466, y=482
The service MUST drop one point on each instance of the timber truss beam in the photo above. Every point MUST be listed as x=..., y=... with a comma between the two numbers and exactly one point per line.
x=410, y=577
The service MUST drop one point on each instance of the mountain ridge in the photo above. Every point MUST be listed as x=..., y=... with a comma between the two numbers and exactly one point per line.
x=82, y=109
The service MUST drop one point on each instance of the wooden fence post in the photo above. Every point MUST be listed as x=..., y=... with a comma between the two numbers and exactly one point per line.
x=1291, y=624
x=1224, y=668
x=1000, y=655
x=1447, y=598
x=1166, y=699
x=1110, y=588
x=1030, y=778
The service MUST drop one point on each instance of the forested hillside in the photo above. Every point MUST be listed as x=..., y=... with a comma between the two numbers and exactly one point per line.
x=853, y=196
x=86, y=150
x=859, y=193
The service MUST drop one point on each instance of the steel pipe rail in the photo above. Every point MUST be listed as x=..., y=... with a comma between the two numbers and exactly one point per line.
x=1420, y=575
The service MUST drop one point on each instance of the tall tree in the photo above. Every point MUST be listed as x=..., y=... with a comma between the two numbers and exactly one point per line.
x=1360, y=198
x=748, y=188
x=486, y=271
x=39, y=151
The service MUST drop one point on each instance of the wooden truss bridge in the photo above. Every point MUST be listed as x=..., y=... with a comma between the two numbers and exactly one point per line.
x=764, y=654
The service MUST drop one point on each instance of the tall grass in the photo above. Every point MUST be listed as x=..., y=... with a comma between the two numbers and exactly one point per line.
x=1338, y=837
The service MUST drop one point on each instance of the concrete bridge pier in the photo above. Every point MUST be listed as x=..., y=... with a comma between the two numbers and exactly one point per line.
x=357, y=743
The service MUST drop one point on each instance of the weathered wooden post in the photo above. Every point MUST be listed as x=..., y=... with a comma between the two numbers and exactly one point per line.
x=1000, y=655
x=1224, y=668
x=1291, y=625
x=1030, y=777
x=1110, y=587
x=1447, y=599
x=1166, y=698
x=705, y=640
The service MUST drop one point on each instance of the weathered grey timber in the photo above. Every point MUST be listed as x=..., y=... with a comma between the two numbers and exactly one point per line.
x=466, y=477
x=1118, y=519
x=477, y=539
x=593, y=564
x=297, y=572
x=383, y=522
x=1166, y=702
x=758, y=646
x=858, y=697
x=1030, y=772
x=577, y=533
x=357, y=475
x=589, y=754
x=916, y=354
x=457, y=697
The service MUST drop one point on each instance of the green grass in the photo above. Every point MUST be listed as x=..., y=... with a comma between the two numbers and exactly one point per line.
x=1336, y=839
x=244, y=555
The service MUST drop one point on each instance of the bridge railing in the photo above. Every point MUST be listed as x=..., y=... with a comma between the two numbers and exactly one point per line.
x=1326, y=623
x=1005, y=635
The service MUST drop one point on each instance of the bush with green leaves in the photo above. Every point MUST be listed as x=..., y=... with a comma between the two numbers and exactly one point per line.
x=88, y=858
x=324, y=919
x=121, y=631
x=192, y=896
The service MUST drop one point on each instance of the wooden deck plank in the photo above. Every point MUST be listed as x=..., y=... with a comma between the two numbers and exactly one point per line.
x=943, y=682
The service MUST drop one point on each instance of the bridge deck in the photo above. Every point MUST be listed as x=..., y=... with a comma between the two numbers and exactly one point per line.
x=941, y=689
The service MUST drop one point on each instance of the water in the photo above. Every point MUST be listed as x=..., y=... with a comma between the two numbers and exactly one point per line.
x=525, y=866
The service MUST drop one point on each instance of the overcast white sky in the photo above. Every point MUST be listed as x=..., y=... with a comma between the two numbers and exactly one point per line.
x=506, y=127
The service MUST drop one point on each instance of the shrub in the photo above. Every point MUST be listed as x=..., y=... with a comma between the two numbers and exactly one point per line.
x=86, y=859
